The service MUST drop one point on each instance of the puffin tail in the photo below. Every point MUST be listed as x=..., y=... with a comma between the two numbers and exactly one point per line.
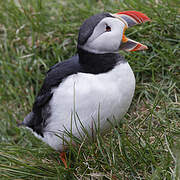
x=27, y=120
x=31, y=121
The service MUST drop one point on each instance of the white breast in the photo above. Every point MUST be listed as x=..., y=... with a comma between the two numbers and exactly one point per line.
x=94, y=98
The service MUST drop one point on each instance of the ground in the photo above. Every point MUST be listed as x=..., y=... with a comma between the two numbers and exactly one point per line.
x=36, y=34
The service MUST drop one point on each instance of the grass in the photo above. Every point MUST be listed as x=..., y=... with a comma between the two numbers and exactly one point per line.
x=36, y=34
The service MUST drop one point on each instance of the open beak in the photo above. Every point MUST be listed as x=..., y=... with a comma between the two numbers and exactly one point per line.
x=131, y=18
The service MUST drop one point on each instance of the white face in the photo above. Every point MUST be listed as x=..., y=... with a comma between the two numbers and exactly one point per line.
x=106, y=37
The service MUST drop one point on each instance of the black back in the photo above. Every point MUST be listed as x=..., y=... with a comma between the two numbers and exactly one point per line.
x=36, y=120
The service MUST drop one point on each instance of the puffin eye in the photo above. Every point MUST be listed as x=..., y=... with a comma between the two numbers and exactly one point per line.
x=108, y=28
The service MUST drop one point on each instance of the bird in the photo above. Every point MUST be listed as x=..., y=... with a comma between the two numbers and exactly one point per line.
x=94, y=87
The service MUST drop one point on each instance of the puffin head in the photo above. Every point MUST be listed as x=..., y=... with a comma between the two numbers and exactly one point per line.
x=105, y=32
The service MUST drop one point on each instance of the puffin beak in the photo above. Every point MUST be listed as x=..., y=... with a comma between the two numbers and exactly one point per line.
x=131, y=18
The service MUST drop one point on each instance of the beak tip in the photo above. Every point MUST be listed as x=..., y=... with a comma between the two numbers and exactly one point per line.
x=140, y=47
x=145, y=47
x=147, y=20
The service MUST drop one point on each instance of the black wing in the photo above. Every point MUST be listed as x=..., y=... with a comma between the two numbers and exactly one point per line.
x=40, y=112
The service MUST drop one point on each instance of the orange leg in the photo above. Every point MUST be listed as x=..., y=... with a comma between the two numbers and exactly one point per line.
x=63, y=159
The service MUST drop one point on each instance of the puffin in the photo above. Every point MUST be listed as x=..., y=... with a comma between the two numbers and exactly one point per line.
x=94, y=88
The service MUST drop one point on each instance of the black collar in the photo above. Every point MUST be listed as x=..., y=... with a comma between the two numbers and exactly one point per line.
x=98, y=63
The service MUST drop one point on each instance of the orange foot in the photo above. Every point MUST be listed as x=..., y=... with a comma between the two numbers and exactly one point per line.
x=63, y=159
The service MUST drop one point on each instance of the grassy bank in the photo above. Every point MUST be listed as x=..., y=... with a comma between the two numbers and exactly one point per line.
x=36, y=34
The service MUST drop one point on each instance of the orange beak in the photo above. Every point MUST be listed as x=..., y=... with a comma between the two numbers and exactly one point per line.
x=131, y=18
